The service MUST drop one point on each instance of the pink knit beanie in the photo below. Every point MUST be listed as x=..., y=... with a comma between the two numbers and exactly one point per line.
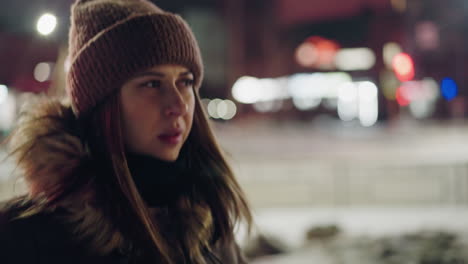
x=110, y=40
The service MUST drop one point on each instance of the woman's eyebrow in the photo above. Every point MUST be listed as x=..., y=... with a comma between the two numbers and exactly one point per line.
x=144, y=74
x=158, y=74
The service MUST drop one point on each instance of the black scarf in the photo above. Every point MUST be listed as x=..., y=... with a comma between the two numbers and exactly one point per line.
x=161, y=183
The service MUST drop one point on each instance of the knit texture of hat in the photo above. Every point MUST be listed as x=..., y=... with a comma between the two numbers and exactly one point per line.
x=111, y=40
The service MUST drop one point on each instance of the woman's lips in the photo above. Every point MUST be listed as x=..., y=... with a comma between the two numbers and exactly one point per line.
x=171, y=138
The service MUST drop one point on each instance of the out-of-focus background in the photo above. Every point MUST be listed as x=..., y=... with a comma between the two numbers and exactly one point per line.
x=345, y=120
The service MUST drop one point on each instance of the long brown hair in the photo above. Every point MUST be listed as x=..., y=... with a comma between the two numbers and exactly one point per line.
x=207, y=217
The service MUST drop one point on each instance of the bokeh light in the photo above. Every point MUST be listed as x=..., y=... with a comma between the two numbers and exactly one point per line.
x=220, y=109
x=368, y=103
x=306, y=103
x=390, y=50
x=46, y=24
x=231, y=110
x=306, y=54
x=449, y=88
x=355, y=59
x=403, y=67
x=246, y=90
x=43, y=71
x=347, y=101
x=400, y=97
x=213, y=108
x=3, y=93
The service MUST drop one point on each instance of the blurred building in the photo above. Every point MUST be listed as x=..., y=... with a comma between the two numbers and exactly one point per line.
x=275, y=41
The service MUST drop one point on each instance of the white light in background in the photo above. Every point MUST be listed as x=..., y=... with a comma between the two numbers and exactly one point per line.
x=355, y=59
x=348, y=92
x=246, y=90
x=358, y=100
x=249, y=90
x=46, y=24
x=273, y=89
x=213, y=108
x=43, y=71
x=347, y=101
x=231, y=110
x=220, y=109
x=368, y=103
x=7, y=109
x=307, y=90
x=3, y=93
x=306, y=103
x=390, y=50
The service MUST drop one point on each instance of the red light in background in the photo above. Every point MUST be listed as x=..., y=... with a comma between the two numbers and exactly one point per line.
x=403, y=67
x=317, y=52
x=400, y=97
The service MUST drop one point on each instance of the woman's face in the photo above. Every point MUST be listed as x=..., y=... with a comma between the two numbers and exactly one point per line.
x=157, y=110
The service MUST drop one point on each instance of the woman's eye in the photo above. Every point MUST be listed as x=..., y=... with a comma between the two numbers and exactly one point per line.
x=188, y=82
x=153, y=84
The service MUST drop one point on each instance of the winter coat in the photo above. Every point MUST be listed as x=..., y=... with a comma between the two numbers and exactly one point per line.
x=45, y=236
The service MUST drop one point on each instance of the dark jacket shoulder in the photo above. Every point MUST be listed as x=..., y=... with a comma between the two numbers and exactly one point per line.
x=36, y=238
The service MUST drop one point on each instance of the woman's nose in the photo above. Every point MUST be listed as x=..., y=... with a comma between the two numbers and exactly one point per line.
x=176, y=105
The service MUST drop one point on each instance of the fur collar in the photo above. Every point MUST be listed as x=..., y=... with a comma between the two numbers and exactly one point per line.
x=48, y=148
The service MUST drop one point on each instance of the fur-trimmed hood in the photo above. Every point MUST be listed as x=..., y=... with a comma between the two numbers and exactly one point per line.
x=53, y=158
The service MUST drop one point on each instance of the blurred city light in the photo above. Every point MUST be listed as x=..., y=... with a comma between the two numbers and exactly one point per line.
x=427, y=35
x=348, y=92
x=355, y=59
x=306, y=103
x=403, y=67
x=306, y=55
x=431, y=87
x=358, y=100
x=389, y=84
x=419, y=95
x=390, y=50
x=368, y=103
x=220, y=109
x=231, y=110
x=8, y=108
x=246, y=90
x=423, y=104
x=3, y=93
x=449, y=88
x=43, y=71
x=213, y=108
x=249, y=90
x=400, y=97
x=46, y=24
x=316, y=85
x=317, y=52
x=348, y=108
x=367, y=91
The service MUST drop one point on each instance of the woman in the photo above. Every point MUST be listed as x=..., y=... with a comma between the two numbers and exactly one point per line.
x=129, y=171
